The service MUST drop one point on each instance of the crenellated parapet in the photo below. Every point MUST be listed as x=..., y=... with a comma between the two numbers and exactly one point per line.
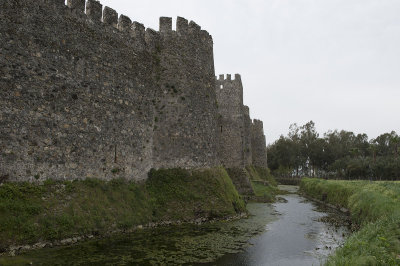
x=221, y=79
x=230, y=88
x=95, y=12
x=230, y=93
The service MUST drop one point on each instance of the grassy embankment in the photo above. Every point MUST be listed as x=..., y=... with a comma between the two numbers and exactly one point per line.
x=57, y=210
x=263, y=183
x=375, y=206
x=254, y=183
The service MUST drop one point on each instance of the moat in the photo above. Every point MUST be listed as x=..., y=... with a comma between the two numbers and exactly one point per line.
x=292, y=231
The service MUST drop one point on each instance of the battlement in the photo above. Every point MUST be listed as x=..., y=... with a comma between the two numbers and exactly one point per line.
x=95, y=12
x=228, y=78
x=182, y=26
x=78, y=5
x=258, y=124
x=229, y=87
x=165, y=25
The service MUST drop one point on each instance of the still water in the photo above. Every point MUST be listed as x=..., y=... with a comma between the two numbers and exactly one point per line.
x=289, y=232
x=298, y=237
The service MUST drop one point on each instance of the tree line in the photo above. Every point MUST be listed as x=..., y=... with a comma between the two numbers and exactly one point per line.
x=337, y=154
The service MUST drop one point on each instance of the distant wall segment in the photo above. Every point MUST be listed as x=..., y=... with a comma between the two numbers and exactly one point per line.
x=231, y=120
x=242, y=141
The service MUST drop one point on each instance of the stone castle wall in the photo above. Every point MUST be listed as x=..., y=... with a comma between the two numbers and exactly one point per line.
x=186, y=110
x=242, y=141
x=247, y=149
x=85, y=97
x=88, y=93
x=231, y=117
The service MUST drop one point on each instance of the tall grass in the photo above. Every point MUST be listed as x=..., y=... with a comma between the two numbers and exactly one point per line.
x=375, y=206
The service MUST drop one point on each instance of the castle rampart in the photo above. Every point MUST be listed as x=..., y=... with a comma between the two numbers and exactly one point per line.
x=242, y=142
x=185, y=125
x=86, y=93
x=89, y=97
x=231, y=122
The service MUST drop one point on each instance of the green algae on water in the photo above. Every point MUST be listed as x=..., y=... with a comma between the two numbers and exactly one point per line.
x=184, y=244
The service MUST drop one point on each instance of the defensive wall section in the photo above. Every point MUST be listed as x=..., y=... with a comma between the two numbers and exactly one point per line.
x=88, y=93
x=230, y=108
x=258, y=144
x=242, y=141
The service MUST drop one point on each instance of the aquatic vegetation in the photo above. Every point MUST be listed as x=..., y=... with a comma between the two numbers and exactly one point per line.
x=375, y=206
x=184, y=244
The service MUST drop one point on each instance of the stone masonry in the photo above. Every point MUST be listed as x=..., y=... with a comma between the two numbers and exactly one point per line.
x=88, y=93
x=258, y=145
x=231, y=120
x=242, y=141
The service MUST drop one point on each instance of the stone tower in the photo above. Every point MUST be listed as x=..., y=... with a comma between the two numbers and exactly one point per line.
x=231, y=120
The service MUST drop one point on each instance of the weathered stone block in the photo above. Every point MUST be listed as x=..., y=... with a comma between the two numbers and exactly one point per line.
x=94, y=10
x=182, y=26
x=165, y=25
x=78, y=5
x=110, y=17
x=194, y=28
x=124, y=23
x=138, y=34
x=151, y=38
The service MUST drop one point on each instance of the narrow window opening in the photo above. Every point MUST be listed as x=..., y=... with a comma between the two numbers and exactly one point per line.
x=221, y=87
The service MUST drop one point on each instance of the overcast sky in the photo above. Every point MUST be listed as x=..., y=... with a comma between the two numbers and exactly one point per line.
x=336, y=62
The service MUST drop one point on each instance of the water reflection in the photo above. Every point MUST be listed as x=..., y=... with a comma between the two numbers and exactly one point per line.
x=298, y=237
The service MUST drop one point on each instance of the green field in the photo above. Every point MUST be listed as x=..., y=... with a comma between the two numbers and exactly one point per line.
x=375, y=207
